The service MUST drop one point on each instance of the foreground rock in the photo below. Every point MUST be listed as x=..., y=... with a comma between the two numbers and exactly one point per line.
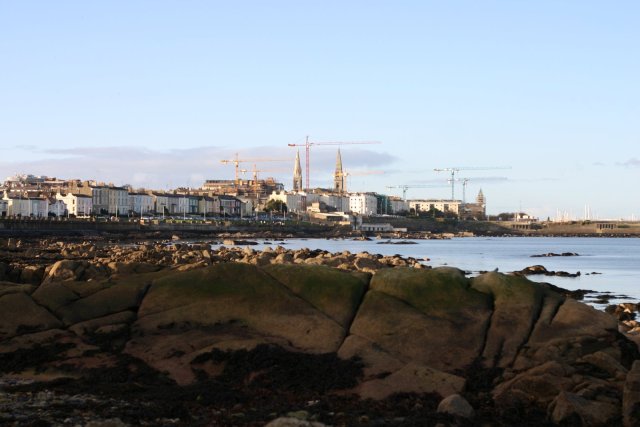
x=244, y=342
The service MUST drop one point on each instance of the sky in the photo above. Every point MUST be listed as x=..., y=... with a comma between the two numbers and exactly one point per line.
x=537, y=102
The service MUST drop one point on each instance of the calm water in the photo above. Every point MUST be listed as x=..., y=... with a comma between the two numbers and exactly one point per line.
x=617, y=259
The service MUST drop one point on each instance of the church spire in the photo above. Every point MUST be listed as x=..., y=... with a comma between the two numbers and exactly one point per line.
x=297, y=174
x=338, y=176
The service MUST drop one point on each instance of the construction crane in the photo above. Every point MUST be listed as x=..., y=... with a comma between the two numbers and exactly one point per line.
x=255, y=171
x=346, y=175
x=405, y=187
x=453, y=171
x=465, y=181
x=236, y=161
x=307, y=144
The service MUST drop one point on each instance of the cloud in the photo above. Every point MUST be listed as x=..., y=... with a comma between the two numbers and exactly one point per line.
x=633, y=162
x=598, y=164
x=162, y=169
x=26, y=147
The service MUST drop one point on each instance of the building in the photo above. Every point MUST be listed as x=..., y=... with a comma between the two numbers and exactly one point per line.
x=229, y=206
x=78, y=205
x=109, y=200
x=338, y=218
x=444, y=206
x=477, y=210
x=160, y=203
x=26, y=207
x=141, y=203
x=247, y=206
x=363, y=204
x=209, y=205
x=332, y=202
x=296, y=202
x=187, y=204
x=255, y=188
x=57, y=207
x=3, y=208
x=175, y=204
x=381, y=228
x=398, y=205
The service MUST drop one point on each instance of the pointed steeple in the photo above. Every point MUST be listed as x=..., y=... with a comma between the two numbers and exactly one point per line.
x=297, y=174
x=480, y=198
x=338, y=176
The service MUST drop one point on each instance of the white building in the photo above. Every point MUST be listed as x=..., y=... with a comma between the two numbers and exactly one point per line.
x=363, y=204
x=183, y=205
x=141, y=203
x=209, y=205
x=119, y=201
x=398, y=205
x=26, y=207
x=296, y=202
x=172, y=203
x=382, y=227
x=57, y=207
x=452, y=206
x=336, y=202
x=78, y=205
x=160, y=203
x=246, y=206
x=110, y=200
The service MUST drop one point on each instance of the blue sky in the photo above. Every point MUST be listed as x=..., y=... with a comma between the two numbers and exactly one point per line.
x=156, y=93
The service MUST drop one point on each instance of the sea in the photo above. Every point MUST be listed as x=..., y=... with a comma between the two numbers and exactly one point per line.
x=607, y=266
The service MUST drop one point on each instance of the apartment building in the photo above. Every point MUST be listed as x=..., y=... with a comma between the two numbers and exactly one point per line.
x=365, y=204
x=78, y=205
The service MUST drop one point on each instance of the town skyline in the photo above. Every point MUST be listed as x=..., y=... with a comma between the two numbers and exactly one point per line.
x=155, y=94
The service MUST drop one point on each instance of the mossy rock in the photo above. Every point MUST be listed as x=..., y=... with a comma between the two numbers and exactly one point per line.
x=447, y=343
x=335, y=292
x=518, y=305
x=443, y=292
x=124, y=295
x=11, y=288
x=239, y=294
x=19, y=314
x=54, y=296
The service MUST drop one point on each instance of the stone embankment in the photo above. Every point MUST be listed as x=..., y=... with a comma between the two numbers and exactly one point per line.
x=163, y=334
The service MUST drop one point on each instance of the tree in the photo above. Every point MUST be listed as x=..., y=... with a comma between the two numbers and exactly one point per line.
x=274, y=205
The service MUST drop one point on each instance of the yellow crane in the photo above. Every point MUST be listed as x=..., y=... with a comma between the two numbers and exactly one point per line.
x=255, y=171
x=236, y=162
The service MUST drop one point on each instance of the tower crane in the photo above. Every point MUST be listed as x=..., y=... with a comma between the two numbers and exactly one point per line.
x=307, y=144
x=236, y=162
x=405, y=187
x=453, y=172
x=465, y=181
x=255, y=171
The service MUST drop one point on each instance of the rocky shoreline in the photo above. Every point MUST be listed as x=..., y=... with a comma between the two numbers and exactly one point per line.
x=168, y=333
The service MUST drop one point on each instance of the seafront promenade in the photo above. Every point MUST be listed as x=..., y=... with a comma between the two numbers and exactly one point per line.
x=415, y=228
